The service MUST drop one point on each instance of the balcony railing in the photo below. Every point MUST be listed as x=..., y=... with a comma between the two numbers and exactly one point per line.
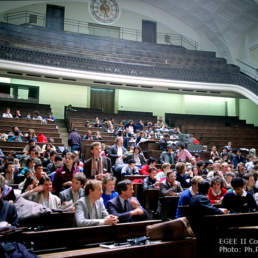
x=248, y=69
x=73, y=25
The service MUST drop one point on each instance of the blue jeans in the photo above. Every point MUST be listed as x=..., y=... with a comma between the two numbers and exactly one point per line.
x=75, y=148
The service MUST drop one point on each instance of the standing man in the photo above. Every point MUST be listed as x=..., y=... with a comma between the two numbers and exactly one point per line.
x=126, y=207
x=97, y=166
x=74, y=140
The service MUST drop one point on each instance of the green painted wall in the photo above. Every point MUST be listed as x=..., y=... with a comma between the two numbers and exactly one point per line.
x=59, y=95
x=248, y=111
x=161, y=103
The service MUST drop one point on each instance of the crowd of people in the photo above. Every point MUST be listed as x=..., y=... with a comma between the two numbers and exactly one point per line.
x=98, y=192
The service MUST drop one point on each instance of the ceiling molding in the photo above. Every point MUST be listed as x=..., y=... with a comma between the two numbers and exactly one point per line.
x=62, y=75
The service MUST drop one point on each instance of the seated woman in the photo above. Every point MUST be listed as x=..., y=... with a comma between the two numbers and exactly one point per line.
x=14, y=130
x=31, y=135
x=29, y=166
x=48, y=147
x=97, y=137
x=42, y=194
x=161, y=176
x=63, y=176
x=108, y=185
x=15, y=138
x=182, y=154
x=216, y=191
x=137, y=156
x=29, y=183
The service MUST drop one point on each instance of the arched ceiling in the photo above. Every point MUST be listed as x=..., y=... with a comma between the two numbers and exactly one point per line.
x=223, y=22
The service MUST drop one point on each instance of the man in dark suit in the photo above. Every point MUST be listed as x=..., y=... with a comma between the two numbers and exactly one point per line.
x=126, y=207
x=201, y=206
x=97, y=165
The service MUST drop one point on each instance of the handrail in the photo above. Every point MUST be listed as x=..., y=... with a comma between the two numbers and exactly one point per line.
x=22, y=17
x=248, y=69
x=248, y=65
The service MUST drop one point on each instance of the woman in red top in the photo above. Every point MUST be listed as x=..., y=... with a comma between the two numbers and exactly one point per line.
x=216, y=191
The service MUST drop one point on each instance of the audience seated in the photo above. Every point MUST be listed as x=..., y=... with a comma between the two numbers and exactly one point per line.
x=171, y=187
x=129, y=169
x=187, y=194
x=108, y=185
x=161, y=176
x=7, y=114
x=126, y=207
x=151, y=163
x=30, y=145
x=30, y=163
x=15, y=138
x=182, y=155
x=237, y=158
x=137, y=156
x=214, y=153
x=36, y=116
x=216, y=191
x=97, y=166
x=53, y=166
x=42, y=194
x=239, y=200
x=250, y=182
x=72, y=194
x=11, y=174
x=168, y=156
x=180, y=175
x=164, y=142
x=150, y=182
x=90, y=210
x=63, y=176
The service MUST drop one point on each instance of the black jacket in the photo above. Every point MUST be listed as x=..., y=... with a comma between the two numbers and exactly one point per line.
x=200, y=206
x=112, y=153
x=106, y=164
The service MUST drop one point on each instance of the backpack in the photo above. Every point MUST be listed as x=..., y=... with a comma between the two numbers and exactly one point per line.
x=14, y=250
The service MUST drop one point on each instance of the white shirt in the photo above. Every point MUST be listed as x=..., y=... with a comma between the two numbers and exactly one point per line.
x=5, y=115
x=119, y=153
x=76, y=196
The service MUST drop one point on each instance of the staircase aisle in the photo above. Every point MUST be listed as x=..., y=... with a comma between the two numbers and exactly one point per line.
x=63, y=131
